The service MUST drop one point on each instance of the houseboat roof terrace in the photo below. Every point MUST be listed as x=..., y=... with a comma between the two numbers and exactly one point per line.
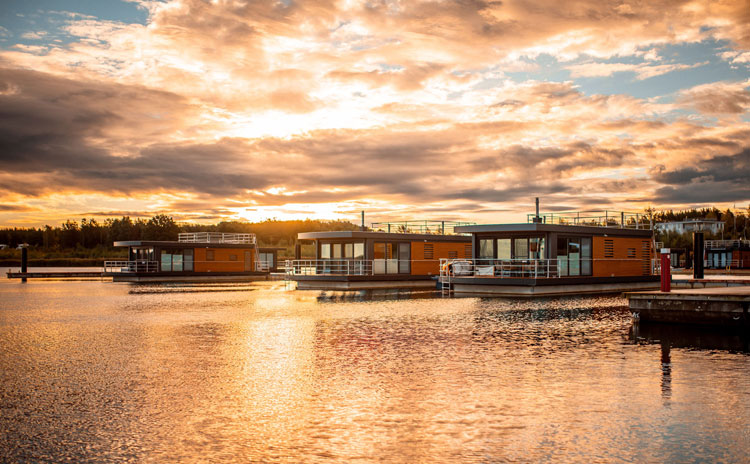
x=216, y=237
x=559, y=228
x=419, y=227
x=616, y=219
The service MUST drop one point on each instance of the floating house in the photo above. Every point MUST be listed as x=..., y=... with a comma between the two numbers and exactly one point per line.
x=556, y=254
x=388, y=255
x=195, y=256
x=723, y=254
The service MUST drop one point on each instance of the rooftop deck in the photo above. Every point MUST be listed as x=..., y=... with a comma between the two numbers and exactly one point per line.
x=419, y=227
x=616, y=219
x=217, y=237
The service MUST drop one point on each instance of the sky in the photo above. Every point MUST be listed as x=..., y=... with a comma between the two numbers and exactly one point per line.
x=456, y=110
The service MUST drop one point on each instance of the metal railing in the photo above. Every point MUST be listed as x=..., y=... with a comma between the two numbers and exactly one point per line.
x=710, y=244
x=419, y=227
x=331, y=266
x=500, y=268
x=216, y=237
x=618, y=219
x=131, y=266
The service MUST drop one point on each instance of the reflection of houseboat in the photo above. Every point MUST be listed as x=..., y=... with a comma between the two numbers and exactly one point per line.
x=554, y=254
x=201, y=256
x=398, y=256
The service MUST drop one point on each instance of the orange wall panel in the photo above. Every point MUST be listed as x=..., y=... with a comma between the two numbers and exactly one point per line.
x=222, y=261
x=621, y=264
x=421, y=266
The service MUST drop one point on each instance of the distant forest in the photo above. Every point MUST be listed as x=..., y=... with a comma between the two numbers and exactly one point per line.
x=90, y=239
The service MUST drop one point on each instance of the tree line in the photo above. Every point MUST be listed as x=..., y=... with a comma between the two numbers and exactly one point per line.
x=90, y=233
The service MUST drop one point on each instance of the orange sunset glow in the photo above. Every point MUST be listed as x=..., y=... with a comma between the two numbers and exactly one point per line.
x=215, y=110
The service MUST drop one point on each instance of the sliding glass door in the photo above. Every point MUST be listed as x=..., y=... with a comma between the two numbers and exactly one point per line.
x=391, y=258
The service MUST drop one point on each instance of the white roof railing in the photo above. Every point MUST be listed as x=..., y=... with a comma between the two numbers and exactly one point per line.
x=216, y=237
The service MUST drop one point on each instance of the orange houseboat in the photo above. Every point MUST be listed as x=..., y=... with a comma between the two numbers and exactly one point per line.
x=200, y=256
x=398, y=255
x=556, y=254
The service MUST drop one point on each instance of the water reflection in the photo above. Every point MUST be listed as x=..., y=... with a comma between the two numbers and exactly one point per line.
x=92, y=372
x=691, y=337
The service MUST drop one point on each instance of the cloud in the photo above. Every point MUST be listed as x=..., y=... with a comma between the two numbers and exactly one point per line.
x=641, y=70
x=16, y=208
x=722, y=178
x=406, y=106
x=718, y=98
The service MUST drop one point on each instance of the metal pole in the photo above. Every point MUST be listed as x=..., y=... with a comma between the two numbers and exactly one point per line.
x=697, y=255
x=666, y=277
x=363, y=220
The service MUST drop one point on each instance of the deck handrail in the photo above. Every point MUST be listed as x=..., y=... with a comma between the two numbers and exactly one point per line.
x=426, y=227
x=217, y=237
x=726, y=243
x=131, y=266
x=612, y=219
x=515, y=268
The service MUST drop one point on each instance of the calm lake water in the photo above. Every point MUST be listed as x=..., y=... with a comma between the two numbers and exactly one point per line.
x=95, y=371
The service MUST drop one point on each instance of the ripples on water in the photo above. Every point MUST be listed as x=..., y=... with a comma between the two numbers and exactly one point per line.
x=97, y=371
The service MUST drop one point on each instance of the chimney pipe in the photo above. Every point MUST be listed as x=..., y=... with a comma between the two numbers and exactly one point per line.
x=363, y=220
x=537, y=219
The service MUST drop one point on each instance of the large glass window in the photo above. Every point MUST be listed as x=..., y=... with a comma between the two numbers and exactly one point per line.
x=187, y=259
x=562, y=256
x=537, y=248
x=503, y=248
x=166, y=261
x=348, y=250
x=325, y=251
x=486, y=248
x=404, y=257
x=359, y=251
x=521, y=248
x=386, y=257
x=574, y=256
x=586, y=256
x=177, y=261
x=336, y=250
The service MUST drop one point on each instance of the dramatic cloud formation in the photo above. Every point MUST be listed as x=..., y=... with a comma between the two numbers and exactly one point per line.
x=460, y=110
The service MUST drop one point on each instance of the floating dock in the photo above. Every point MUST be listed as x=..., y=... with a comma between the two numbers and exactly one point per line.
x=57, y=275
x=727, y=306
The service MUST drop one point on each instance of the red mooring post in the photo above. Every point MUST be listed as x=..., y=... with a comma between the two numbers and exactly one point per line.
x=666, y=274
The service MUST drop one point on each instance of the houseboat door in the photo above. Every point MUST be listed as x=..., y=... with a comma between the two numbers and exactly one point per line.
x=391, y=258
x=248, y=261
